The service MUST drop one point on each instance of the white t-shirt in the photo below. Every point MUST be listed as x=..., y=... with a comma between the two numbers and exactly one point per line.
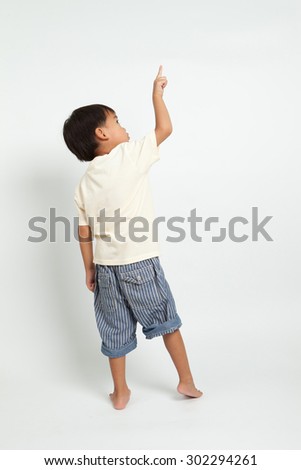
x=117, y=185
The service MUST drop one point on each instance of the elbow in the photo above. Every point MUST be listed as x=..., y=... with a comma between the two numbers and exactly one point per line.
x=169, y=130
x=162, y=133
x=84, y=233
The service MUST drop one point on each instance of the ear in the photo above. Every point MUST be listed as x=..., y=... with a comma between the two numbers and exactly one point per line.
x=101, y=133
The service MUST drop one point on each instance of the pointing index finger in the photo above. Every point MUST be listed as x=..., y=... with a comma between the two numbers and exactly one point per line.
x=160, y=71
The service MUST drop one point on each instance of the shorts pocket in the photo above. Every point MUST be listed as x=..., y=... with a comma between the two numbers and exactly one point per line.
x=141, y=288
x=106, y=293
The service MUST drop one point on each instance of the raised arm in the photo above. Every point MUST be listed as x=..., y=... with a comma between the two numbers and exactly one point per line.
x=163, y=126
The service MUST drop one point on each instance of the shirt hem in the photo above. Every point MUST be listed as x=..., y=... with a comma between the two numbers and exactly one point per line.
x=133, y=259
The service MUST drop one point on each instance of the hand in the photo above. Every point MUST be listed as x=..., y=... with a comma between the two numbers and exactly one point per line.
x=160, y=83
x=90, y=279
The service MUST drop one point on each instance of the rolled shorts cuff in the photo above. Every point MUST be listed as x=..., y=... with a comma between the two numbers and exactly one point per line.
x=119, y=352
x=159, y=329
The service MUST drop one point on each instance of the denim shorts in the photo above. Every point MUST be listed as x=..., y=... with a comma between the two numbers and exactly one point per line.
x=125, y=294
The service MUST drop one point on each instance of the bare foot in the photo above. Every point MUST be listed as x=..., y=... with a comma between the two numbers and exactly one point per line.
x=120, y=400
x=189, y=390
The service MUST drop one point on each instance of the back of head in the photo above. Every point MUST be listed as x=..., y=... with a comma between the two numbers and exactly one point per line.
x=79, y=130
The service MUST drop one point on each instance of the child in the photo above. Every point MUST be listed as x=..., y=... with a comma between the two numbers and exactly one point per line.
x=124, y=272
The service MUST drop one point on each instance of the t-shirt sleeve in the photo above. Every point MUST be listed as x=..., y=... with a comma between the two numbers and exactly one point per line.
x=144, y=152
x=82, y=217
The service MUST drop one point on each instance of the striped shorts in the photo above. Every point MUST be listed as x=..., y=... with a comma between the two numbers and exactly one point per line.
x=125, y=294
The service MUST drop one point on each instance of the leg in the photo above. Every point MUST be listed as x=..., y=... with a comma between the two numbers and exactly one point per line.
x=175, y=346
x=121, y=393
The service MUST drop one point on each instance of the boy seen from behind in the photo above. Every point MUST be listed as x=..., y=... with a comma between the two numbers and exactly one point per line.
x=115, y=209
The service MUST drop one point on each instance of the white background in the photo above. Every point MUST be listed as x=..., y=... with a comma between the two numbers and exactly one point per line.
x=233, y=93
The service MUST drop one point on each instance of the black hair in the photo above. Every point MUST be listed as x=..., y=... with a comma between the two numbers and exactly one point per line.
x=79, y=130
